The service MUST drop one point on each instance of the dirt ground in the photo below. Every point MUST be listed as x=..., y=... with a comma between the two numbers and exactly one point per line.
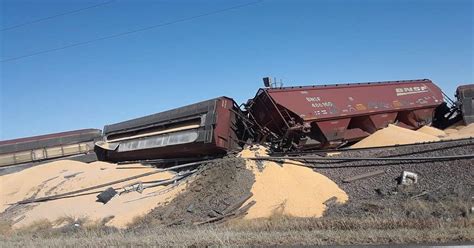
x=216, y=187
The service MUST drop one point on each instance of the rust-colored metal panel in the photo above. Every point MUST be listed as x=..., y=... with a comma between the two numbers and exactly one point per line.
x=227, y=124
x=371, y=123
x=416, y=118
x=382, y=120
x=328, y=102
x=333, y=129
x=355, y=134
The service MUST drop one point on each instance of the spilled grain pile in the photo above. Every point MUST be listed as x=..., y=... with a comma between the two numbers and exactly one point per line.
x=218, y=188
x=288, y=189
x=459, y=131
x=432, y=131
x=65, y=176
x=282, y=189
x=395, y=135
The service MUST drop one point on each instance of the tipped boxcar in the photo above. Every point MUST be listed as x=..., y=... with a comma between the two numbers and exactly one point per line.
x=323, y=116
x=211, y=127
x=465, y=100
x=47, y=147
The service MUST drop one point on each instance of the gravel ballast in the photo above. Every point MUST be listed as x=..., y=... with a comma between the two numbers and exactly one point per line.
x=438, y=181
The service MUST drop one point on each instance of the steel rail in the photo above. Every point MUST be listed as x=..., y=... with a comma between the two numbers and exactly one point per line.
x=48, y=198
x=63, y=196
x=167, y=160
x=374, y=147
x=311, y=158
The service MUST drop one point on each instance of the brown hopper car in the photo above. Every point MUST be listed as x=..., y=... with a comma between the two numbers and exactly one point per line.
x=331, y=115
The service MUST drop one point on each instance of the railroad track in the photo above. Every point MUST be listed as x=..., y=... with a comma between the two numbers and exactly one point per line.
x=447, y=143
x=407, y=153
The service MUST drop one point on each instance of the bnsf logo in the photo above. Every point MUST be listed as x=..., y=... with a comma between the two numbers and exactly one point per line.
x=411, y=90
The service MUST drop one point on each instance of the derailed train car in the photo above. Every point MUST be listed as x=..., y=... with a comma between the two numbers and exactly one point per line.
x=211, y=127
x=77, y=143
x=290, y=118
x=309, y=117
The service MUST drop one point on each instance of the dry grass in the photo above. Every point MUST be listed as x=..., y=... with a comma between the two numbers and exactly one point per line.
x=411, y=221
x=5, y=228
x=278, y=230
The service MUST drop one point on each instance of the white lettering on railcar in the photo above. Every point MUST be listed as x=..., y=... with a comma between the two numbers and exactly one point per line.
x=316, y=102
x=313, y=99
x=411, y=90
x=322, y=104
x=321, y=112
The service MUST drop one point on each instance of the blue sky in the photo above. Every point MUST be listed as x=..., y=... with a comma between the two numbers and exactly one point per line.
x=300, y=42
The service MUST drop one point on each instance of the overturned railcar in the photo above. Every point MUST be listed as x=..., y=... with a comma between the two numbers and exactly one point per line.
x=310, y=117
x=465, y=101
x=77, y=143
x=211, y=127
